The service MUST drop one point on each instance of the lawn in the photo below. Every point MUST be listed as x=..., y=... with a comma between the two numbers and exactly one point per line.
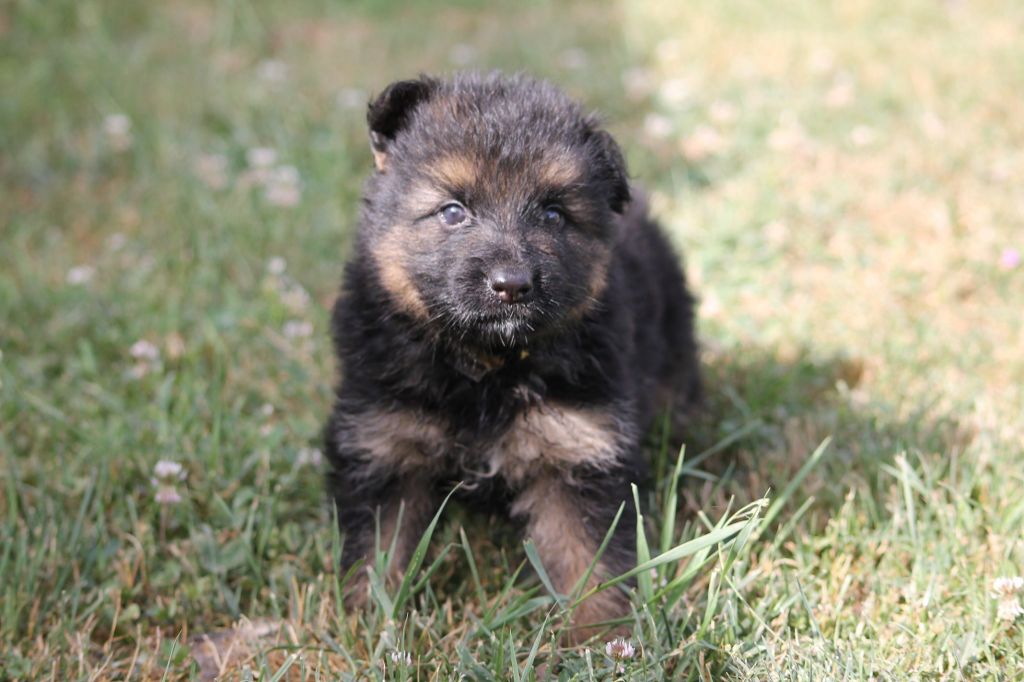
x=179, y=183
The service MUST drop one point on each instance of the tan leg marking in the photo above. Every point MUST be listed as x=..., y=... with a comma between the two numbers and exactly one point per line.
x=566, y=550
x=403, y=442
x=418, y=509
x=416, y=514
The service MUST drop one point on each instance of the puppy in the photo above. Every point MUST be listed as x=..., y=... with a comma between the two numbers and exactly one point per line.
x=510, y=319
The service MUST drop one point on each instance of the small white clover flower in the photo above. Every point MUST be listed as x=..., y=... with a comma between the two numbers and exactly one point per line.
x=638, y=82
x=1009, y=609
x=169, y=469
x=144, y=350
x=212, y=170
x=116, y=241
x=657, y=126
x=267, y=410
x=723, y=112
x=261, y=157
x=775, y=232
x=80, y=274
x=272, y=71
x=841, y=94
x=311, y=457
x=118, y=129
x=862, y=136
x=297, y=329
x=294, y=296
x=821, y=60
x=283, y=187
x=1007, y=586
x=166, y=474
x=620, y=649
x=1005, y=590
x=931, y=125
x=117, y=124
x=167, y=495
x=702, y=143
x=675, y=92
x=786, y=137
x=276, y=265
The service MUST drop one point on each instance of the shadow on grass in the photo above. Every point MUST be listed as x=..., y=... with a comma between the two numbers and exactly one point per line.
x=763, y=416
x=765, y=412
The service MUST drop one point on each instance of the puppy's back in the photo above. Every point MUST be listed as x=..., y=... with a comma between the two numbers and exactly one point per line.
x=652, y=283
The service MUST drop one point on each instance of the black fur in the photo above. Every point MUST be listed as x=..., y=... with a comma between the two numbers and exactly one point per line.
x=607, y=329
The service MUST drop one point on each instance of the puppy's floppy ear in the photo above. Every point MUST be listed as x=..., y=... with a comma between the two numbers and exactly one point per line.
x=607, y=157
x=390, y=112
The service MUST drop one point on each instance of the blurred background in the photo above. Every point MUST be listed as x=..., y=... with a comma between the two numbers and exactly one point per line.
x=178, y=188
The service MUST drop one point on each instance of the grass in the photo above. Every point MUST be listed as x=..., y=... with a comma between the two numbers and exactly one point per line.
x=842, y=177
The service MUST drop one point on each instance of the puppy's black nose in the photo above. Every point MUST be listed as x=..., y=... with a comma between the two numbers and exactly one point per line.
x=512, y=285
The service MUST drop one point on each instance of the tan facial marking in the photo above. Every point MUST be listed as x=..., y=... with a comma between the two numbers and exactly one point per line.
x=596, y=285
x=559, y=170
x=380, y=159
x=566, y=550
x=389, y=255
x=455, y=169
x=599, y=276
x=553, y=436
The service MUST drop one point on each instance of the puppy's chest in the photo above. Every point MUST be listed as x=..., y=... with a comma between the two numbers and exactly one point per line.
x=541, y=436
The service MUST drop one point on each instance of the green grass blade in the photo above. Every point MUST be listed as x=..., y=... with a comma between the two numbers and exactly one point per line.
x=643, y=553
x=413, y=567
x=585, y=578
x=779, y=502
x=668, y=512
x=679, y=552
x=535, y=649
x=538, y=566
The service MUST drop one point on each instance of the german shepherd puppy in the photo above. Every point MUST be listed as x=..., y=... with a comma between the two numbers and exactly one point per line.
x=510, y=319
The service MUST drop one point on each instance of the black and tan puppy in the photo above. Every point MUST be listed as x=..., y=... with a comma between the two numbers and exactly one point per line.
x=510, y=319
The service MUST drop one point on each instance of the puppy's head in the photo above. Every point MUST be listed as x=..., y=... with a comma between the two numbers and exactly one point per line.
x=492, y=211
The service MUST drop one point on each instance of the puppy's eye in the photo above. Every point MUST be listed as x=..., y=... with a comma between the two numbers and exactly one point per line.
x=552, y=217
x=453, y=214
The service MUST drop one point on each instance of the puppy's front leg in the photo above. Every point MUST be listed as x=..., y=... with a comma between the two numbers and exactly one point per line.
x=403, y=510
x=567, y=516
x=373, y=476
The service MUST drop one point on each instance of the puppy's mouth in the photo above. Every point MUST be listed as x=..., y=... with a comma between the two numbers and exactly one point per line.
x=509, y=318
x=505, y=327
